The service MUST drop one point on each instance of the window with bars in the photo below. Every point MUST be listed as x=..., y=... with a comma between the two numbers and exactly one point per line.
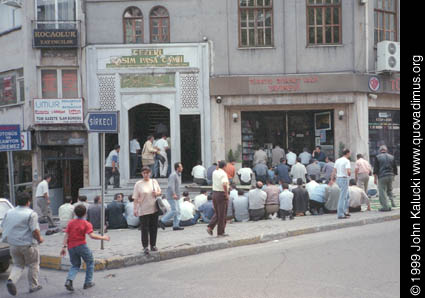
x=385, y=14
x=159, y=25
x=133, y=25
x=255, y=23
x=324, y=22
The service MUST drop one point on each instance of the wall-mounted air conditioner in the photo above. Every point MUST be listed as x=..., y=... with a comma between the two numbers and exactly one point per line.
x=388, y=56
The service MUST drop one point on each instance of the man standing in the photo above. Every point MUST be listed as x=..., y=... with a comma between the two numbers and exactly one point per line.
x=230, y=170
x=362, y=172
x=162, y=145
x=148, y=154
x=220, y=187
x=43, y=200
x=134, y=150
x=173, y=196
x=259, y=157
x=210, y=171
x=384, y=170
x=112, y=167
x=342, y=171
x=277, y=154
x=22, y=232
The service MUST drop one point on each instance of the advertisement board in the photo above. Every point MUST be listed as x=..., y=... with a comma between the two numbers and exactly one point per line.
x=58, y=111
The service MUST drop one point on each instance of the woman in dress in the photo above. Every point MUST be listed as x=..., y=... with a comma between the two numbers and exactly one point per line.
x=144, y=194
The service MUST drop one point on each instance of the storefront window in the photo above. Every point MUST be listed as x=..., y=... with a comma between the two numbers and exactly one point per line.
x=22, y=173
x=384, y=129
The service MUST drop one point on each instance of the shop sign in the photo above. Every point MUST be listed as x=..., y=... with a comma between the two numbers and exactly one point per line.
x=374, y=84
x=147, y=58
x=58, y=111
x=55, y=38
x=10, y=137
x=26, y=141
x=147, y=81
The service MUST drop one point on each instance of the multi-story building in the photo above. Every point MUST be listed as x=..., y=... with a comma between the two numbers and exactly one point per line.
x=40, y=90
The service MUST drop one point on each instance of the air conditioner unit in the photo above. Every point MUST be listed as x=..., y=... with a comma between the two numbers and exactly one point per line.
x=388, y=56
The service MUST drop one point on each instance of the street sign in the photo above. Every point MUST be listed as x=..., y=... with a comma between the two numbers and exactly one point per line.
x=10, y=137
x=106, y=122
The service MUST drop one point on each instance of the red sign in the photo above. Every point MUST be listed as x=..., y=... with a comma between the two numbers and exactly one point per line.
x=374, y=84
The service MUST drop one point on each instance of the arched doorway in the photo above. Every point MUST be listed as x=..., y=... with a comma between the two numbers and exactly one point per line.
x=148, y=119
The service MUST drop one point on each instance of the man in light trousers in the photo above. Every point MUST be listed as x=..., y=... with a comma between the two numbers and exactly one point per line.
x=173, y=196
x=342, y=172
x=22, y=232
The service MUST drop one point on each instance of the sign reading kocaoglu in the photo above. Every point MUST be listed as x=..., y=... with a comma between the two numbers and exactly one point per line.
x=58, y=111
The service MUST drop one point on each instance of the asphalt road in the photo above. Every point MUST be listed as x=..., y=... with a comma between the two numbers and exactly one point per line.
x=353, y=262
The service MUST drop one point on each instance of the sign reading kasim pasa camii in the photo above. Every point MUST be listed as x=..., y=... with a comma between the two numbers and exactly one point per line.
x=147, y=58
x=58, y=111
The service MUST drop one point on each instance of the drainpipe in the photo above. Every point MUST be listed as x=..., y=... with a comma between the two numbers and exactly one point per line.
x=366, y=25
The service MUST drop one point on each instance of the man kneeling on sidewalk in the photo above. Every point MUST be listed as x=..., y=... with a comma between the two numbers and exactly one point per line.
x=75, y=241
x=22, y=232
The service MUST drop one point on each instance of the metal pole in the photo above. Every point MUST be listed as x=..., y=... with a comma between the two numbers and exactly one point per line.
x=102, y=182
x=11, y=177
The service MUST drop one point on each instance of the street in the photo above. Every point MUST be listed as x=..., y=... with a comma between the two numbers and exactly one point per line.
x=351, y=262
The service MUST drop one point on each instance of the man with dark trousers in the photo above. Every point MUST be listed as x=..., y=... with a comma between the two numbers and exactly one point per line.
x=384, y=170
x=220, y=184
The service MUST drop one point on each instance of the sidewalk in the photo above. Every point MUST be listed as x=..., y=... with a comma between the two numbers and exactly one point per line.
x=125, y=248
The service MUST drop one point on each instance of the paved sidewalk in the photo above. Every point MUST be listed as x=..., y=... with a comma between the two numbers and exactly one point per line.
x=125, y=247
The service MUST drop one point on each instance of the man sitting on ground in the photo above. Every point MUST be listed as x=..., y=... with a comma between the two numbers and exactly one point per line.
x=187, y=211
x=285, y=202
x=132, y=221
x=82, y=200
x=331, y=197
x=66, y=212
x=230, y=170
x=260, y=171
x=301, y=199
x=311, y=185
x=313, y=169
x=257, y=199
x=115, y=213
x=240, y=207
x=245, y=176
x=207, y=210
x=357, y=197
x=210, y=170
x=199, y=174
x=282, y=171
x=298, y=170
x=272, y=200
x=317, y=199
x=94, y=212
x=232, y=196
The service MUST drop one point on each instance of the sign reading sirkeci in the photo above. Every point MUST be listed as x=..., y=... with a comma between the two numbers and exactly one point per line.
x=58, y=111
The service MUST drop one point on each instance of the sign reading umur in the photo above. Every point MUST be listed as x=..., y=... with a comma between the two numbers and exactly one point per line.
x=147, y=58
x=55, y=38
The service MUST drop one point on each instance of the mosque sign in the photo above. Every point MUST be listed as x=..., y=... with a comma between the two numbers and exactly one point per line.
x=147, y=58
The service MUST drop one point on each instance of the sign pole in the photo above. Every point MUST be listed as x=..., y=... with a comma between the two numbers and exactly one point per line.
x=102, y=182
x=11, y=177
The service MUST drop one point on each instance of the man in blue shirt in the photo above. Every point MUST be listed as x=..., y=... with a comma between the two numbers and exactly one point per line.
x=282, y=171
x=210, y=170
x=317, y=199
x=207, y=210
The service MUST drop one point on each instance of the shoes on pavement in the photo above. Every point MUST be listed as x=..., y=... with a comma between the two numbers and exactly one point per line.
x=178, y=229
x=223, y=235
x=146, y=251
x=11, y=288
x=161, y=224
x=347, y=214
x=68, y=285
x=314, y=212
x=209, y=231
x=88, y=285
x=385, y=210
x=37, y=288
x=342, y=217
x=291, y=218
x=321, y=211
x=154, y=248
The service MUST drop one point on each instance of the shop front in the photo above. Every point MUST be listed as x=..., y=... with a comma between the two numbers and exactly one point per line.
x=157, y=89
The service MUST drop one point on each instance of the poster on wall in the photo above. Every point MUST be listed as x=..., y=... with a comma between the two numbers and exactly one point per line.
x=322, y=121
x=58, y=111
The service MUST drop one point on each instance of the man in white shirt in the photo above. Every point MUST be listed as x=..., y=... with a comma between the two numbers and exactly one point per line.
x=43, y=200
x=305, y=157
x=291, y=158
x=357, y=197
x=285, y=202
x=112, y=167
x=342, y=172
x=199, y=174
x=134, y=150
x=311, y=185
x=245, y=176
x=162, y=145
x=298, y=171
x=66, y=212
x=200, y=199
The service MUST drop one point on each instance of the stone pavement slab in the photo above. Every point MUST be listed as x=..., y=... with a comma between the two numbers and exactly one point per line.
x=125, y=247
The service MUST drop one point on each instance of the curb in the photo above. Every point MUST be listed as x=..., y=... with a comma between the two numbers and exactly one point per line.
x=63, y=264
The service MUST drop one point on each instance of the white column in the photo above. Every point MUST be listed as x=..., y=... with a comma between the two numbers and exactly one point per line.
x=94, y=169
x=359, y=126
x=123, y=141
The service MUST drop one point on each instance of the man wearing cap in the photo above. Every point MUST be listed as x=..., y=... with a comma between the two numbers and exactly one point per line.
x=384, y=170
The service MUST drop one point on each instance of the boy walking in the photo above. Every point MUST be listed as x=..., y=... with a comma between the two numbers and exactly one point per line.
x=75, y=241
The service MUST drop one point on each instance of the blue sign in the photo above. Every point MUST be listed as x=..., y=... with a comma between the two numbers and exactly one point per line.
x=10, y=137
x=102, y=122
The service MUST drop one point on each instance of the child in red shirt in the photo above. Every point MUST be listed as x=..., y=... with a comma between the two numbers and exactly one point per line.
x=75, y=240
